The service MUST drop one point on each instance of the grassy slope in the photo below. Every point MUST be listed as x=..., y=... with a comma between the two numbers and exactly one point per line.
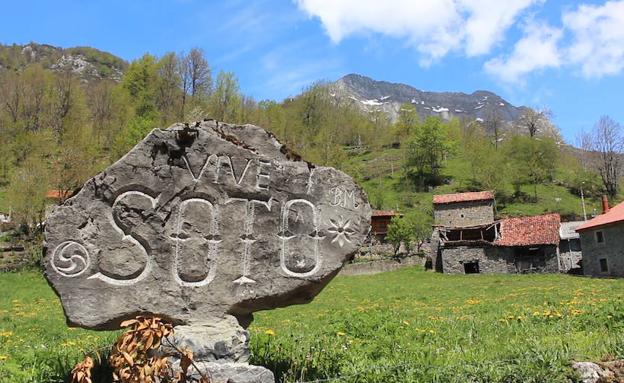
x=402, y=326
x=4, y=205
x=380, y=173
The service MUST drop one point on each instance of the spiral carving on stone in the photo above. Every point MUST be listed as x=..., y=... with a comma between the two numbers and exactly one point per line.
x=70, y=259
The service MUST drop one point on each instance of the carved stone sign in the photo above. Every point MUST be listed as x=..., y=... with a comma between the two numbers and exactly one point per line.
x=202, y=222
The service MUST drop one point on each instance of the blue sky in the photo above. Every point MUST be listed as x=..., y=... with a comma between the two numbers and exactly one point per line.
x=563, y=55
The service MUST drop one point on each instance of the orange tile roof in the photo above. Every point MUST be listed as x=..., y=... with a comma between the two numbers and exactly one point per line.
x=463, y=197
x=58, y=194
x=616, y=214
x=528, y=231
x=53, y=194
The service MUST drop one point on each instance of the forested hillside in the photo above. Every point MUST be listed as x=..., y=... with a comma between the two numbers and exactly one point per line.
x=85, y=62
x=58, y=128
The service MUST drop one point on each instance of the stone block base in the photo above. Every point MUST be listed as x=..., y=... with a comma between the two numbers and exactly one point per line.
x=232, y=373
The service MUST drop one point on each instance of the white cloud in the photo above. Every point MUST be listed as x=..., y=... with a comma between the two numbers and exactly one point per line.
x=434, y=27
x=598, y=38
x=536, y=50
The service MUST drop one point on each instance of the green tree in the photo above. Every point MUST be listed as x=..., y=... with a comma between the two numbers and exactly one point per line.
x=426, y=151
x=487, y=164
x=414, y=228
x=225, y=101
x=26, y=193
x=135, y=130
x=532, y=161
x=407, y=122
x=140, y=82
x=398, y=232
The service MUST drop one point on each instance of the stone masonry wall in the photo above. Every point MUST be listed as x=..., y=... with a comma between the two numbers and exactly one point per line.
x=493, y=259
x=552, y=263
x=612, y=250
x=570, y=260
x=464, y=213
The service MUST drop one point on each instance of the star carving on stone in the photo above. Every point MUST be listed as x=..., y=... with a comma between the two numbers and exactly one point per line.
x=342, y=231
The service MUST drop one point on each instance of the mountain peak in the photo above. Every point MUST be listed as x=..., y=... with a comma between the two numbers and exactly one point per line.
x=370, y=95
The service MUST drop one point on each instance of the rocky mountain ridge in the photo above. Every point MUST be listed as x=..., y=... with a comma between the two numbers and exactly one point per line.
x=87, y=63
x=371, y=95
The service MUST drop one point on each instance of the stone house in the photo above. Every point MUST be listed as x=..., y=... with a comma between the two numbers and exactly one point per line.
x=459, y=210
x=570, y=255
x=463, y=209
x=602, y=240
x=467, y=239
x=513, y=245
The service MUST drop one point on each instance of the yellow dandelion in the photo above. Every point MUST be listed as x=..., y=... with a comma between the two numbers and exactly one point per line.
x=269, y=332
x=4, y=357
x=340, y=333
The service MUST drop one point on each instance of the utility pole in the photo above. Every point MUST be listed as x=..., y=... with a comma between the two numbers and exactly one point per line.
x=583, y=202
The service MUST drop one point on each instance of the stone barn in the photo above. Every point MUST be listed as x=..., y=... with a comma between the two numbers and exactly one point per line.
x=602, y=239
x=513, y=245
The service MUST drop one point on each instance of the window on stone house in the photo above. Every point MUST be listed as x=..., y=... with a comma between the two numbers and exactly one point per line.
x=604, y=268
x=599, y=236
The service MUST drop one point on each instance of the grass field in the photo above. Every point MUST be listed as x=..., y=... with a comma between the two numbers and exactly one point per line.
x=402, y=326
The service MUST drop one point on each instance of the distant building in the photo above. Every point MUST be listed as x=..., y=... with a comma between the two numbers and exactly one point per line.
x=459, y=210
x=380, y=220
x=570, y=255
x=602, y=240
x=513, y=245
x=463, y=209
x=58, y=195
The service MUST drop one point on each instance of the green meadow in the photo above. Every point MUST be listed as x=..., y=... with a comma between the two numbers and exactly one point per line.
x=403, y=326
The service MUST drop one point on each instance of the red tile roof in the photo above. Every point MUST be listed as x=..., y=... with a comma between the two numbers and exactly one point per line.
x=53, y=194
x=529, y=231
x=616, y=214
x=58, y=194
x=463, y=197
x=385, y=213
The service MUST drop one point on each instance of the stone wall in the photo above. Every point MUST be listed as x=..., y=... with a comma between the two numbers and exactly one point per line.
x=612, y=250
x=470, y=213
x=496, y=259
x=376, y=267
x=491, y=259
x=570, y=254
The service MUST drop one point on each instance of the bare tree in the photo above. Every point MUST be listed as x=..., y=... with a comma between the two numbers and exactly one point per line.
x=11, y=91
x=196, y=76
x=494, y=124
x=603, y=148
x=168, y=87
x=62, y=99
